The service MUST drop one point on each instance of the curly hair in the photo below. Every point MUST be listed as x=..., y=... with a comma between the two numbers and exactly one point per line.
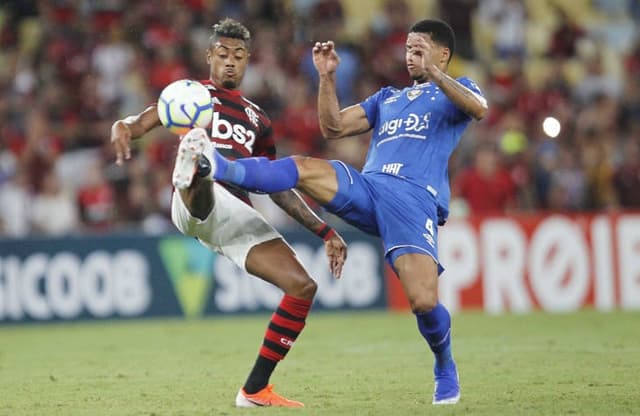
x=440, y=32
x=230, y=28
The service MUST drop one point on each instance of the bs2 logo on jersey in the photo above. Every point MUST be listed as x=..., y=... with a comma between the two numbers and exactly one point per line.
x=224, y=130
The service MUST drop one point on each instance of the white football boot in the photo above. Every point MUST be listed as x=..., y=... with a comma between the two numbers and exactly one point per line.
x=195, y=155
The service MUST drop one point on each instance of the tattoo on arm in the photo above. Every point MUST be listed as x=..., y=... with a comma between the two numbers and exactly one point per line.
x=467, y=100
x=293, y=204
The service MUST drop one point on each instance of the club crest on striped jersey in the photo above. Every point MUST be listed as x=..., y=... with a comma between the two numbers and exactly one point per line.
x=253, y=116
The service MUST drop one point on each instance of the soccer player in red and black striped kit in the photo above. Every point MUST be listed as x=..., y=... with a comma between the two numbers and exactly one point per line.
x=240, y=129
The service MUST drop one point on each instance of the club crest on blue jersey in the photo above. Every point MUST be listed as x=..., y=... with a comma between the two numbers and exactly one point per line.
x=413, y=94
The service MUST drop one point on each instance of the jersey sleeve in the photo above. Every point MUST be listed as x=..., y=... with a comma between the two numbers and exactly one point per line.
x=474, y=88
x=471, y=85
x=370, y=105
x=265, y=145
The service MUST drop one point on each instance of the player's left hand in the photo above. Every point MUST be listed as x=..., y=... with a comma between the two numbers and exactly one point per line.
x=325, y=57
x=336, y=250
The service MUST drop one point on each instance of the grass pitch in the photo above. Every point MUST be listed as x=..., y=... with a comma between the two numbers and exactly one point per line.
x=586, y=363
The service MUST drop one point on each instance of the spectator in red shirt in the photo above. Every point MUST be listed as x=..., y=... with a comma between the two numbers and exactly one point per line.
x=298, y=124
x=166, y=68
x=97, y=201
x=565, y=37
x=486, y=186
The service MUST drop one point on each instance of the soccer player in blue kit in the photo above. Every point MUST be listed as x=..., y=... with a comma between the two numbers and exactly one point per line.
x=402, y=193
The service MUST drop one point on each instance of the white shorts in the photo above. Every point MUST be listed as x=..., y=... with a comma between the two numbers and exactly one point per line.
x=231, y=229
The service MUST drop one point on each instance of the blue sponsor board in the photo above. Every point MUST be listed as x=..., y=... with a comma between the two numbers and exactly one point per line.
x=115, y=276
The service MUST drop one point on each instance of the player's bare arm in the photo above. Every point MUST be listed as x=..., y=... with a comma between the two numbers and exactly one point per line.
x=334, y=124
x=465, y=99
x=433, y=61
x=335, y=247
x=132, y=127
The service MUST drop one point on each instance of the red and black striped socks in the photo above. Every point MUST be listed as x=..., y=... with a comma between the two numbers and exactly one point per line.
x=286, y=324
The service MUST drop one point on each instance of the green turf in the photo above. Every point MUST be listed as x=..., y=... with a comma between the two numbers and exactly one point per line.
x=344, y=364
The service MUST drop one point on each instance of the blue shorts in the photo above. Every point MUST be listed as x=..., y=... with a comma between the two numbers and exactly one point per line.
x=402, y=213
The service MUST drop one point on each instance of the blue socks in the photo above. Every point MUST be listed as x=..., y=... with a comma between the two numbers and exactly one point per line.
x=257, y=174
x=435, y=327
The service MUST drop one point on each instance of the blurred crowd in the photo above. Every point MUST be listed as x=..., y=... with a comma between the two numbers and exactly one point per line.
x=70, y=68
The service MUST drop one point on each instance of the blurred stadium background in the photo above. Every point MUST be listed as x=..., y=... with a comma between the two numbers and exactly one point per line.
x=541, y=217
x=538, y=222
x=69, y=68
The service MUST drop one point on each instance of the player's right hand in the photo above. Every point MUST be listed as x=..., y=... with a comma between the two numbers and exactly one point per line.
x=336, y=250
x=325, y=57
x=121, y=140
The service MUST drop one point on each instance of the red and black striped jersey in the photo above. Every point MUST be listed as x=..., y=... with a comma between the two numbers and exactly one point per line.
x=239, y=129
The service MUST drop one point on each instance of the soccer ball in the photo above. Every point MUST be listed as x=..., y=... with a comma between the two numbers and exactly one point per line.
x=184, y=105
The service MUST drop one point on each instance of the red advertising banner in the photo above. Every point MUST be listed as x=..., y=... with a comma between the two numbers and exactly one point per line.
x=554, y=263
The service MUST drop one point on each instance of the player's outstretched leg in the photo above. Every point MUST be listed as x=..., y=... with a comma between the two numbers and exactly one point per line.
x=190, y=159
x=198, y=156
x=257, y=174
x=435, y=327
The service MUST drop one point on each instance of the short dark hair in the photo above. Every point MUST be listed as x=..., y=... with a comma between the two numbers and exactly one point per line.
x=230, y=28
x=440, y=32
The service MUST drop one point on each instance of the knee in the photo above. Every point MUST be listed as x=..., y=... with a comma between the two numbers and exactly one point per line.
x=303, y=287
x=300, y=160
x=423, y=302
x=309, y=289
x=302, y=163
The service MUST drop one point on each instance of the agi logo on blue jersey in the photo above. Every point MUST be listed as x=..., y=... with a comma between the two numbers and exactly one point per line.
x=412, y=123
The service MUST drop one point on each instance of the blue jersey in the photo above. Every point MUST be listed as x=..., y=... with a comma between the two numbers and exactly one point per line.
x=415, y=130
